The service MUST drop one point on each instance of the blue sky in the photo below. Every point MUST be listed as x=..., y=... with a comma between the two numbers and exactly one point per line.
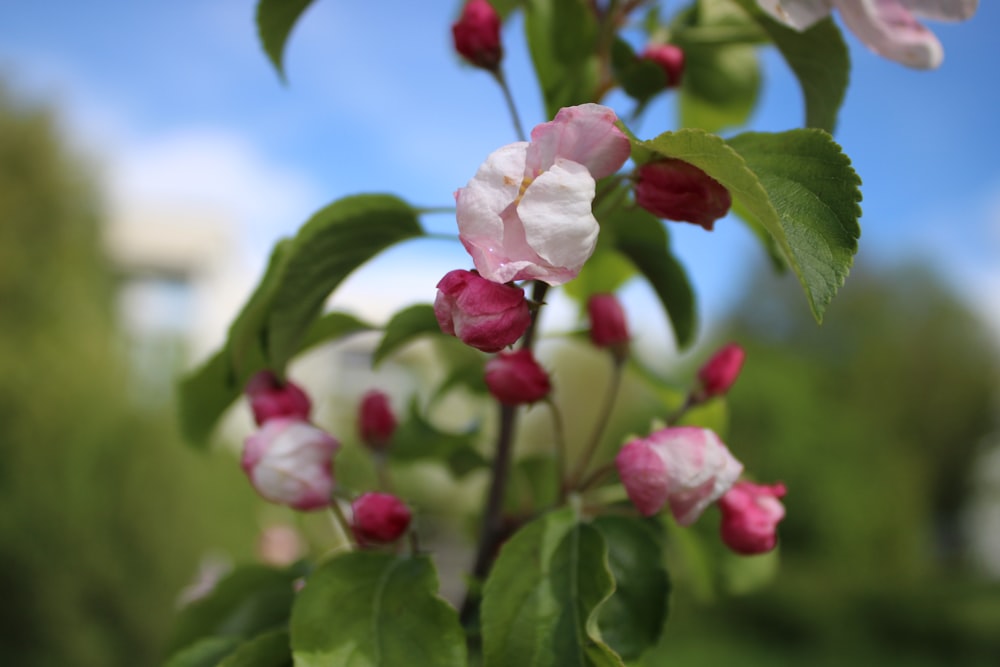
x=175, y=102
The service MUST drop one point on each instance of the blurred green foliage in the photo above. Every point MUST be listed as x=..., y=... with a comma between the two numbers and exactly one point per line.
x=873, y=420
x=104, y=515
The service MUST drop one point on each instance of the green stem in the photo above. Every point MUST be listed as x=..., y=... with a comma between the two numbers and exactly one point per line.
x=602, y=422
x=342, y=525
x=511, y=107
x=559, y=435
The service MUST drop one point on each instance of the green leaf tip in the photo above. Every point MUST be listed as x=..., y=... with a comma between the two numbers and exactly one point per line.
x=275, y=20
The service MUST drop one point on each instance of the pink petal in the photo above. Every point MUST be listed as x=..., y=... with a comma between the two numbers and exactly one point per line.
x=585, y=134
x=943, y=10
x=798, y=14
x=889, y=29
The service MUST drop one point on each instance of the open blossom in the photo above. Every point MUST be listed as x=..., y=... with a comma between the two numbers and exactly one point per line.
x=677, y=190
x=750, y=516
x=289, y=461
x=515, y=378
x=686, y=467
x=379, y=518
x=888, y=27
x=526, y=214
x=477, y=34
x=481, y=313
x=270, y=397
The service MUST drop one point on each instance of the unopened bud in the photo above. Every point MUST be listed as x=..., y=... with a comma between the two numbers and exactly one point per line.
x=670, y=58
x=515, y=378
x=676, y=190
x=376, y=421
x=477, y=35
x=721, y=371
x=750, y=516
x=608, y=328
x=271, y=398
x=486, y=315
x=289, y=461
x=379, y=518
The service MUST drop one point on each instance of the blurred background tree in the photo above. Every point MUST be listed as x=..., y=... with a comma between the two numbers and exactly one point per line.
x=875, y=421
x=104, y=514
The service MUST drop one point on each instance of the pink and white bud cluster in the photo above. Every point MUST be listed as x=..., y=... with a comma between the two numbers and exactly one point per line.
x=679, y=191
x=516, y=378
x=379, y=518
x=376, y=420
x=477, y=35
x=483, y=314
x=750, y=516
x=670, y=58
x=288, y=460
x=888, y=27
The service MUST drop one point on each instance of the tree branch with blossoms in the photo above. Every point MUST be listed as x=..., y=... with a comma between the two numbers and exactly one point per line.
x=576, y=574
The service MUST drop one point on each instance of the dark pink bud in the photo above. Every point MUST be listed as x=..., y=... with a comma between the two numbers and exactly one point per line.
x=270, y=398
x=515, y=378
x=379, y=518
x=486, y=315
x=721, y=371
x=477, y=35
x=676, y=190
x=376, y=420
x=750, y=516
x=670, y=58
x=607, y=324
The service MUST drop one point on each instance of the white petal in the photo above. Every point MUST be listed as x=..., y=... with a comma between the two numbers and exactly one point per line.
x=495, y=186
x=943, y=10
x=799, y=14
x=557, y=218
x=585, y=134
x=890, y=30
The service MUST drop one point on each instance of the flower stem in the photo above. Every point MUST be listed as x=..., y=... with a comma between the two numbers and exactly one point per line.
x=602, y=422
x=511, y=107
x=341, y=524
x=560, y=445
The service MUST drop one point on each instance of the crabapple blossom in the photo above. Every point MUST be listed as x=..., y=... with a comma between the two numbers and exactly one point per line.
x=483, y=314
x=516, y=378
x=750, y=516
x=670, y=58
x=379, y=518
x=289, y=461
x=677, y=190
x=526, y=214
x=720, y=372
x=888, y=27
x=608, y=328
x=686, y=467
x=270, y=397
x=376, y=420
x=477, y=35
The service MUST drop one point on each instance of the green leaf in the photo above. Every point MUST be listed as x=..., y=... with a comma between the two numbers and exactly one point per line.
x=248, y=601
x=604, y=273
x=371, y=609
x=271, y=649
x=818, y=57
x=275, y=20
x=640, y=79
x=562, y=37
x=632, y=619
x=534, y=485
x=799, y=186
x=541, y=600
x=416, y=439
x=721, y=79
x=406, y=325
x=207, y=392
x=642, y=239
x=206, y=652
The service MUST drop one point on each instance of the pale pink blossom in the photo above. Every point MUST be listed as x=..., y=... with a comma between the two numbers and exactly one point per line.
x=890, y=28
x=379, y=518
x=483, y=314
x=686, y=467
x=750, y=516
x=526, y=214
x=289, y=461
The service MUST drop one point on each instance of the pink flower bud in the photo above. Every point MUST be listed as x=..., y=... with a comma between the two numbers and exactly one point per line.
x=270, y=398
x=676, y=190
x=376, y=420
x=289, y=461
x=670, y=58
x=486, y=315
x=721, y=371
x=685, y=466
x=477, y=35
x=608, y=327
x=750, y=516
x=379, y=518
x=515, y=378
